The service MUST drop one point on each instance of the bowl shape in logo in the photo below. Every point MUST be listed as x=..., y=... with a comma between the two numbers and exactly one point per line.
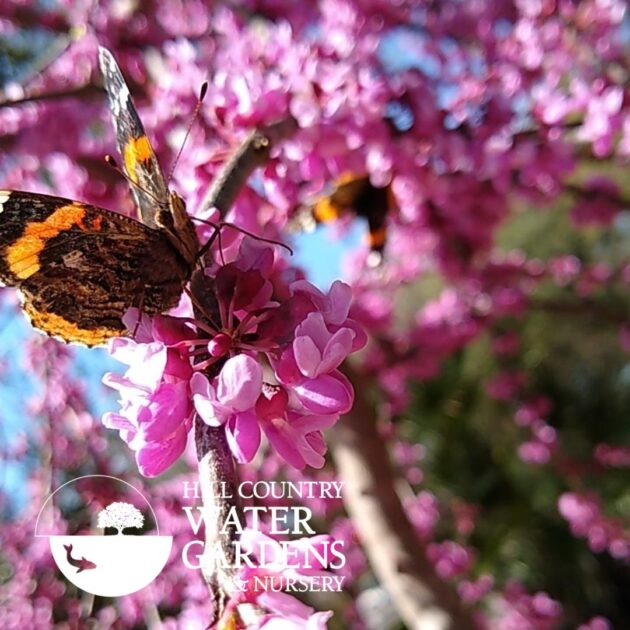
x=111, y=566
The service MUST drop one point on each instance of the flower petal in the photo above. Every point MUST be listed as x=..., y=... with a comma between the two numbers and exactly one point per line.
x=243, y=436
x=284, y=440
x=327, y=394
x=155, y=457
x=315, y=328
x=240, y=383
x=169, y=409
x=339, y=296
x=339, y=346
x=204, y=400
x=307, y=356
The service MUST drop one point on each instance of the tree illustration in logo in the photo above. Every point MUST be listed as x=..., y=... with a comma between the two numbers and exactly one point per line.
x=120, y=515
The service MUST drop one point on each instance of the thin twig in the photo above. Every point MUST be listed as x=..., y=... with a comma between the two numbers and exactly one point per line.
x=252, y=153
x=218, y=483
x=582, y=307
x=89, y=90
x=216, y=472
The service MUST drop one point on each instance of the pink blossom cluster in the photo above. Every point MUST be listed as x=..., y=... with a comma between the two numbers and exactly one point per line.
x=542, y=443
x=450, y=559
x=612, y=456
x=584, y=514
x=67, y=442
x=519, y=610
x=277, y=351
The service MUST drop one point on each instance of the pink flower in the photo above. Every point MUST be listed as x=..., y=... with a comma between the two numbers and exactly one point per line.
x=518, y=609
x=308, y=367
x=534, y=452
x=230, y=402
x=423, y=512
x=596, y=623
x=289, y=613
x=296, y=437
x=302, y=334
x=355, y=561
x=239, y=400
x=472, y=591
x=297, y=558
x=156, y=411
x=334, y=307
x=450, y=558
x=612, y=456
x=602, y=119
x=318, y=351
x=584, y=514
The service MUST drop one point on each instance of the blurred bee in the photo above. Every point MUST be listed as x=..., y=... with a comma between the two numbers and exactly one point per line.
x=352, y=193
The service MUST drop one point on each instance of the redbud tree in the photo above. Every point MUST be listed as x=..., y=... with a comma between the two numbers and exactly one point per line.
x=471, y=391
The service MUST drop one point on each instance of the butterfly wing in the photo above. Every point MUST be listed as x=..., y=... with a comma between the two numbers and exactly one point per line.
x=139, y=160
x=373, y=204
x=352, y=192
x=79, y=268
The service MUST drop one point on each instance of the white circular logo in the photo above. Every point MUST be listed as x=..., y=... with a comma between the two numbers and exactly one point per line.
x=110, y=544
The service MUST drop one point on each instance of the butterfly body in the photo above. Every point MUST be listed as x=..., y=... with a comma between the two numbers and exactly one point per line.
x=79, y=268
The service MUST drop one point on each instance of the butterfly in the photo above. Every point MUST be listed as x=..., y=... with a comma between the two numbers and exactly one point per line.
x=79, y=268
x=354, y=193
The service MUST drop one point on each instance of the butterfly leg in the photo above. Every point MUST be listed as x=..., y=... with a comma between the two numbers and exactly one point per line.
x=217, y=235
x=140, y=314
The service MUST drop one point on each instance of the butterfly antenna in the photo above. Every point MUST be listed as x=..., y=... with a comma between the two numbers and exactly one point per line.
x=202, y=94
x=224, y=224
x=110, y=161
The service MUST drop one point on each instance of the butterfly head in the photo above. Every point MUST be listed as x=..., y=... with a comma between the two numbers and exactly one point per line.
x=174, y=220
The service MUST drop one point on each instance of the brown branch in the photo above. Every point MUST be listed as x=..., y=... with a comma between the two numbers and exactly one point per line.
x=217, y=477
x=593, y=194
x=252, y=153
x=395, y=552
x=81, y=91
x=582, y=307
x=216, y=465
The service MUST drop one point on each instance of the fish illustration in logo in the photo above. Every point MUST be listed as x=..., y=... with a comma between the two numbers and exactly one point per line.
x=82, y=565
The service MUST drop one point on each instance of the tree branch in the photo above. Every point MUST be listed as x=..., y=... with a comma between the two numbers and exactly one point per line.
x=579, y=307
x=216, y=465
x=81, y=91
x=253, y=152
x=217, y=477
x=395, y=552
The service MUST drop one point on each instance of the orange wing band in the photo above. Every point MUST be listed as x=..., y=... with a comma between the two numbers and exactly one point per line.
x=23, y=256
x=136, y=150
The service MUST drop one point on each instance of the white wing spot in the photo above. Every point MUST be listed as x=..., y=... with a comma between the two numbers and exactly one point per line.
x=4, y=197
x=120, y=101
